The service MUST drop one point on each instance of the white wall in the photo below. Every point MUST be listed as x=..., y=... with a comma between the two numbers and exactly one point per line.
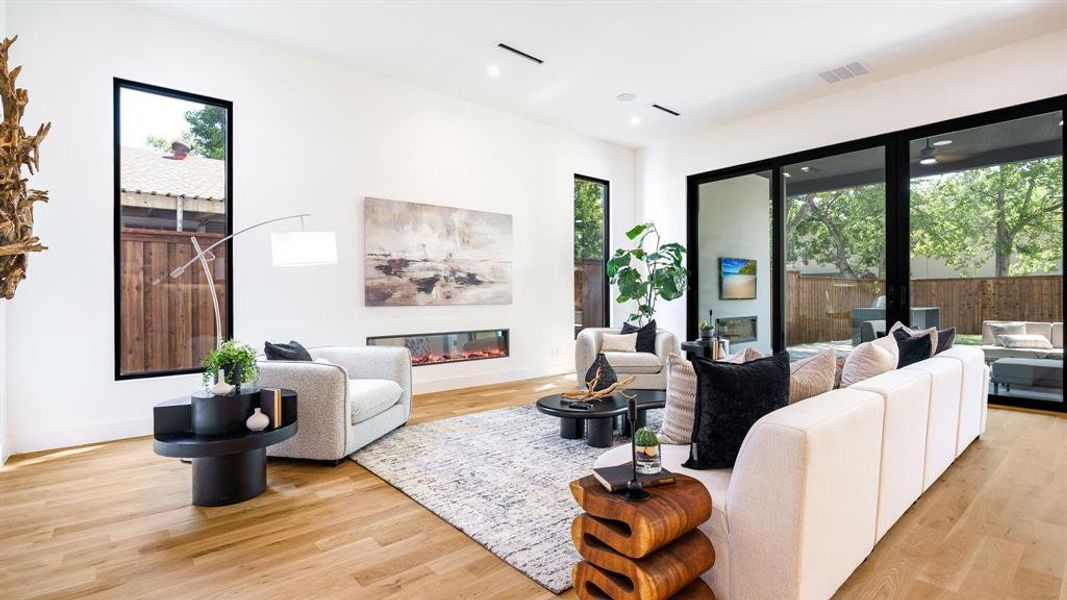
x=735, y=222
x=1030, y=70
x=310, y=136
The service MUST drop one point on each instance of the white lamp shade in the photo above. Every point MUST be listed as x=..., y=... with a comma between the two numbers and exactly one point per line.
x=303, y=248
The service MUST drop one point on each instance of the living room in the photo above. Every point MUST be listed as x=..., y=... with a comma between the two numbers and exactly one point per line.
x=442, y=215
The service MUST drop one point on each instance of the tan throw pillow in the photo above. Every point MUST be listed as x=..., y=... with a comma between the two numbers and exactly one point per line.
x=1001, y=329
x=870, y=359
x=917, y=333
x=1026, y=340
x=680, y=408
x=839, y=366
x=742, y=356
x=614, y=342
x=812, y=376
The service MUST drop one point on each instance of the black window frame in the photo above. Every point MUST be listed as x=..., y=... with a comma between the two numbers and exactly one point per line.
x=898, y=226
x=119, y=84
x=607, y=238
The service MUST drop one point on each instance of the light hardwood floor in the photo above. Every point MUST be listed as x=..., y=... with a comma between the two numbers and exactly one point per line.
x=114, y=521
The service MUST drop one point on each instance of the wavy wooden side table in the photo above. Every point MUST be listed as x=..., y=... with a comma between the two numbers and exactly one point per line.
x=642, y=550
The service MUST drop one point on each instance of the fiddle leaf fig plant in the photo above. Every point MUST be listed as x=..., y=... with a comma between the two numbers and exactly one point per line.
x=645, y=274
x=236, y=359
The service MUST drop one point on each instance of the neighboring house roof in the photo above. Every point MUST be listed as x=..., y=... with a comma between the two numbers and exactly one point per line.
x=151, y=171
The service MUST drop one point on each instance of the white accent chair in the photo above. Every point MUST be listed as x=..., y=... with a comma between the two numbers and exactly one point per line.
x=345, y=405
x=649, y=370
x=818, y=483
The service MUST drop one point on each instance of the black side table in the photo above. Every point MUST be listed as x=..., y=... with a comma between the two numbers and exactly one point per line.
x=227, y=468
x=701, y=348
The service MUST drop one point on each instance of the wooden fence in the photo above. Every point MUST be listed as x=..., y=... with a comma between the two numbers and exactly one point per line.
x=170, y=324
x=589, y=294
x=818, y=308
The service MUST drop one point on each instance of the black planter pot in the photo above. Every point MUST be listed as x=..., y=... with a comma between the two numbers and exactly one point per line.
x=607, y=374
x=218, y=415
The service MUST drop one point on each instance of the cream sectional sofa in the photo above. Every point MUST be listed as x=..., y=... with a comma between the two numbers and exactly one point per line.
x=1053, y=332
x=819, y=482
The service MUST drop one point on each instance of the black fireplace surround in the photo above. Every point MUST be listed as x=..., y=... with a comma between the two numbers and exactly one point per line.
x=449, y=347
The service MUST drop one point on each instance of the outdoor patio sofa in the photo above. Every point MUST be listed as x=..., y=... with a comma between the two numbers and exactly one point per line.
x=1051, y=331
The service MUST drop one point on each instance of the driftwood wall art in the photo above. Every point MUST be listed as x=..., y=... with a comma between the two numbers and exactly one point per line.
x=16, y=200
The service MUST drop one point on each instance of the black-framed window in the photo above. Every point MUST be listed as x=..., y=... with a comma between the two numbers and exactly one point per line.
x=973, y=171
x=592, y=199
x=173, y=182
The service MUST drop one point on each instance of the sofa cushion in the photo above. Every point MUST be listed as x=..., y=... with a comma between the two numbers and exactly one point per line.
x=912, y=349
x=730, y=399
x=371, y=397
x=646, y=335
x=616, y=342
x=812, y=376
x=1024, y=340
x=945, y=387
x=946, y=338
x=975, y=384
x=291, y=351
x=870, y=359
x=640, y=363
x=677, y=426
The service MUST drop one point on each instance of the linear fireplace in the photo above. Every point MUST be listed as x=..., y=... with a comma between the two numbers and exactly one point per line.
x=450, y=347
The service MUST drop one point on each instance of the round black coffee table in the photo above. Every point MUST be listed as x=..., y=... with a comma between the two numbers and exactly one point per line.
x=227, y=468
x=597, y=424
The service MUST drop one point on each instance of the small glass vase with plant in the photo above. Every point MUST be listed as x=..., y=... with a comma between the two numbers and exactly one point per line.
x=236, y=362
x=705, y=329
x=646, y=446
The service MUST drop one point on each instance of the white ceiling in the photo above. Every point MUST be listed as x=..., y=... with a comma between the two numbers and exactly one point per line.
x=711, y=61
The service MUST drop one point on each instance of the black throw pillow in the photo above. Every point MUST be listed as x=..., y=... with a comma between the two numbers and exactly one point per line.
x=730, y=399
x=946, y=338
x=291, y=351
x=912, y=349
x=646, y=336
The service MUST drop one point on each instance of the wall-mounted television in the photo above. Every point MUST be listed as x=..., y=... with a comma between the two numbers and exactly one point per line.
x=737, y=279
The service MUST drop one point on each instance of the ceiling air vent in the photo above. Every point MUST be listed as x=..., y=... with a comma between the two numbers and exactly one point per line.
x=667, y=110
x=854, y=69
x=517, y=52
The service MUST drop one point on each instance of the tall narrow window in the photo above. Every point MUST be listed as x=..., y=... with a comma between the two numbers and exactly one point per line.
x=590, y=252
x=172, y=183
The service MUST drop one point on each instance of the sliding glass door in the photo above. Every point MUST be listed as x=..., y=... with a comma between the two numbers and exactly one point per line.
x=956, y=225
x=986, y=251
x=835, y=223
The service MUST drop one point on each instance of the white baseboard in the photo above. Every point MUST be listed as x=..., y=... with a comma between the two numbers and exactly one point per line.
x=490, y=377
x=48, y=439
x=5, y=449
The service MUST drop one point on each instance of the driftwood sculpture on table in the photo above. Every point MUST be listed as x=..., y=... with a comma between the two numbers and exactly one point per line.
x=589, y=394
x=16, y=200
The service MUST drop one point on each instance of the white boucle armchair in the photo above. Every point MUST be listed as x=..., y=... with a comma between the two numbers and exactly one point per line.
x=345, y=405
x=649, y=370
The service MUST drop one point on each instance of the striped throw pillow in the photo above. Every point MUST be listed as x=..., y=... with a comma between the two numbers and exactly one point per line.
x=812, y=376
x=677, y=427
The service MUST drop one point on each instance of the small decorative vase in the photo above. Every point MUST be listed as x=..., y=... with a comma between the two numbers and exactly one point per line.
x=705, y=334
x=607, y=374
x=258, y=421
x=235, y=379
x=648, y=459
x=221, y=388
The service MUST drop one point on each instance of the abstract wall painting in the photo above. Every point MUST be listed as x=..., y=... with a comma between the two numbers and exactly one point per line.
x=427, y=255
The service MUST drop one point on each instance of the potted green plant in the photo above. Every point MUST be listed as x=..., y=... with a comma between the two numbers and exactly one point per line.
x=646, y=274
x=705, y=329
x=232, y=364
x=646, y=446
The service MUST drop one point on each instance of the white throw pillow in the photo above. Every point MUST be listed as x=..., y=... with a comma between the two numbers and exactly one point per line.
x=1002, y=329
x=917, y=333
x=870, y=359
x=1025, y=340
x=742, y=356
x=680, y=408
x=614, y=342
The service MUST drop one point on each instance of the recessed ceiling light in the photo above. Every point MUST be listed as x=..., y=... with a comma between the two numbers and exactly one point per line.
x=942, y=142
x=928, y=161
x=805, y=169
x=786, y=173
x=492, y=71
x=626, y=97
x=635, y=120
x=1061, y=122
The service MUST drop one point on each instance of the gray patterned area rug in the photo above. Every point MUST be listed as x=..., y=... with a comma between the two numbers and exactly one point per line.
x=500, y=477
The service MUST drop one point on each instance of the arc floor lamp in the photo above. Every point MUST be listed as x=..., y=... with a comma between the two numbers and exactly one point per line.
x=288, y=249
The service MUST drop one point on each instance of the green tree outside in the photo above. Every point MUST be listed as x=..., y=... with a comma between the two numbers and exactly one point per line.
x=206, y=135
x=588, y=220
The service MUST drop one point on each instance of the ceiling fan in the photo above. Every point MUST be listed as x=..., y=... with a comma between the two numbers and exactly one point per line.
x=929, y=155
